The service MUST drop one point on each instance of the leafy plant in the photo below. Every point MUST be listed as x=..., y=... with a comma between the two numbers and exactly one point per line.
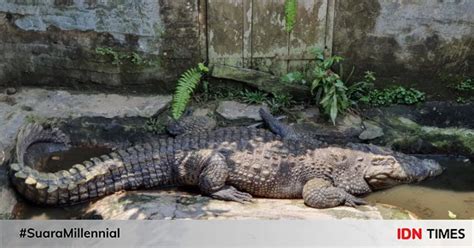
x=359, y=90
x=345, y=78
x=280, y=101
x=119, y=58
x=185, y=87
x=291, y=7
x=461, y=100
x=466, y=85
x=393, y=95
x=107, y=51
x=154, y=125
x=254, y=97
x=295, y=77
x=328, y=86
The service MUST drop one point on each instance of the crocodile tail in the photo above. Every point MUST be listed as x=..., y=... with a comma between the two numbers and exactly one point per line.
x=28, y=135
x=32, y=133
x=274, y=124
x=93, y=178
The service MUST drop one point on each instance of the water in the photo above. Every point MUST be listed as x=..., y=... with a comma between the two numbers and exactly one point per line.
x=431, y=199
x=57, y=161
x=452, y=191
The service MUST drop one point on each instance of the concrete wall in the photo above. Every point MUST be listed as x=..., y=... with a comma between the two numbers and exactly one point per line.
x=53, y=42
x=253, y=34
x=412, y=42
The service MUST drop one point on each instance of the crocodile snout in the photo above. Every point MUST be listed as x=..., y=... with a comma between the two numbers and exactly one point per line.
x=424, y=169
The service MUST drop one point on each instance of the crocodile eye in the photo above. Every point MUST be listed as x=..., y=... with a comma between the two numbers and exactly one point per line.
x=391, y=160
x=377, y=161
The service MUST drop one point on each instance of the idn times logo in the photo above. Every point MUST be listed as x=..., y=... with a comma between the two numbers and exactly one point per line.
x=430, y=233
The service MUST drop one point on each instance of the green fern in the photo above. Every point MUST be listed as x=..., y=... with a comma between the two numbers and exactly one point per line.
x=184, y=89
x=291, y=6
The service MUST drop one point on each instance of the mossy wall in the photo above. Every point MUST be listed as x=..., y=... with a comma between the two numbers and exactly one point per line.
x=414, y=43
x=53, y=42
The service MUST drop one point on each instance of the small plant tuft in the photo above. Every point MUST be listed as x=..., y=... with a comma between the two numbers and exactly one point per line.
x=295, y=77
x=253, y=97
x=109, y=52
x=464, y=86
x=279, y=101
x=154, y=125
x=361, y=89
x=119, y=58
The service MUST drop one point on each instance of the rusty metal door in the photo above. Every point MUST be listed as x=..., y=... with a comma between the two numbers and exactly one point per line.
x=251, y=33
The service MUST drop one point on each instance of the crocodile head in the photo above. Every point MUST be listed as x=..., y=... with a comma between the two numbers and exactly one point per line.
x=386, y=171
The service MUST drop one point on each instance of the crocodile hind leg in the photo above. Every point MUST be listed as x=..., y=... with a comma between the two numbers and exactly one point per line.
x=320, y=193
x=213, y=178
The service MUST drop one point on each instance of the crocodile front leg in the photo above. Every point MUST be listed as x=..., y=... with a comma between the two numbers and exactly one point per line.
x=320, y=193
x=213, y=178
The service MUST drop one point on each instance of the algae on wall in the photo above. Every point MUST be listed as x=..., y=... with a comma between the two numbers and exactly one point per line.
x=56, y=43
x=53, y=42
x=406, y=135
x=407, y=42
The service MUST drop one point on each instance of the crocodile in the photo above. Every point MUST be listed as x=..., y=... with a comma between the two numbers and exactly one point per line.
x=233, y=164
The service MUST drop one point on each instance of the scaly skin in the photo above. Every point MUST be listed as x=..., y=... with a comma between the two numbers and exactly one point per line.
x=191, y=124
x=228, y=164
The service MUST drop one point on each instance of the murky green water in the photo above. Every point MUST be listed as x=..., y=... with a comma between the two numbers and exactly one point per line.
x=64, y=160
x=432, y=199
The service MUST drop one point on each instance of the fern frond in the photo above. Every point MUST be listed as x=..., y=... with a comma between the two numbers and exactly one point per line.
x=185, y=87
x=291, y=7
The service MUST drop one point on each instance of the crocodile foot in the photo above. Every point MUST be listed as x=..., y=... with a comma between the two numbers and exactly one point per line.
x=229, y=193
x=353, y=201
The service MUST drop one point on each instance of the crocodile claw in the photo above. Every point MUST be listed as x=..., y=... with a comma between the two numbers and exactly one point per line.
x=229, y=193
x=353, y=201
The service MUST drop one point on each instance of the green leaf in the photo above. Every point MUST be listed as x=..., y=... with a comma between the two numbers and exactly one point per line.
x=293, y=77
x=315, y=85
x=318, y=53
x=338, y=59
x=184, y=88
x=325, y=99
x=203, y=68
x=291, y=8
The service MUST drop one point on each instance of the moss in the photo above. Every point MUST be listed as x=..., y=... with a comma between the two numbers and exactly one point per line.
x=406, y=134
x=445, y=137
